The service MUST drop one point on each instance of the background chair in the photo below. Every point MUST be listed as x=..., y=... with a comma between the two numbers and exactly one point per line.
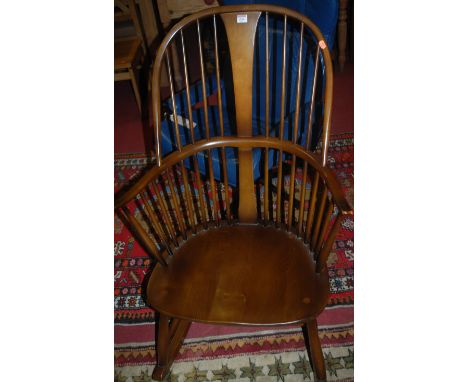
x=129, y=43
x=252, y=251
x=171, y=11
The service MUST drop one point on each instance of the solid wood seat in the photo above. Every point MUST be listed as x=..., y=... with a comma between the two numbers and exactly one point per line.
x=242, y=274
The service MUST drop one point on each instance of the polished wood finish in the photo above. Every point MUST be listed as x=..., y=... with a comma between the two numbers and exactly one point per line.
x=292, y=176
x=171, y=334
x=315, y=351
x=213, y=189
x=266, y=182
x=242, y=62
x=217, y=260
x=221, y=121
x=281, y=130
x=226, y=274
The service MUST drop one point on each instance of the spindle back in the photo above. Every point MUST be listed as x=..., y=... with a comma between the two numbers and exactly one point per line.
x=169, y=204
x=242, y=70
x=234, y=93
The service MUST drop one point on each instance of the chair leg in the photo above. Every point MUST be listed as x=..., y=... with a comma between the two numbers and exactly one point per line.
x=315, y=351
x=135, y=87
x=170, y=338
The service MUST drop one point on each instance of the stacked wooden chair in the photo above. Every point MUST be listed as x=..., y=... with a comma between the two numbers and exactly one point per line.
x=129, y=47
x=252, y=251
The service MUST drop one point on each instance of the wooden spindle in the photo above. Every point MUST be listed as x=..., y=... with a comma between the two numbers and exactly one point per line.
x=188, y=197
x=213, y=189
x=174, y=110
x=226, y=186
x=155, y=221
x=218, y=79
x=318, y=218
x=221, y=123
x=292, y=181
x=302, y=198
x=326, y=248
x=283, y=94
x=324, y=225
x=165, y=222
x=298, y=85
x=202, y=69
x=201, y=193
x=176, y=205
x=312, y=99
x=312, y=201
x=279, y=184
x=283, y=79
x=187, y=88
x=292, y=176
x=266, y=209
x=142, y=235
x=161, y=203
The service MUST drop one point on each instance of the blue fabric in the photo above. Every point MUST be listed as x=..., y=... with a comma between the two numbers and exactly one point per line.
x=324, y=13
x=168, y=134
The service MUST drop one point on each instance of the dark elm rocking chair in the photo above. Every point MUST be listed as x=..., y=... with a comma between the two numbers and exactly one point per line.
x=253, y=253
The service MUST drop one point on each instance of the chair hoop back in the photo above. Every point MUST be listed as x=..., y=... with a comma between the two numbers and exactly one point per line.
x=241, y=25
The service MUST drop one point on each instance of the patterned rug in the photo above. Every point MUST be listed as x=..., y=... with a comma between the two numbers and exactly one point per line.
x=223, y=353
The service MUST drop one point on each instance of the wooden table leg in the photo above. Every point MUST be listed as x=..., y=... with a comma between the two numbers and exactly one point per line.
x=342, y=32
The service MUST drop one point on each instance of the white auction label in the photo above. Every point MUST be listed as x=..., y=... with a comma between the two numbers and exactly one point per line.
x=241, y=19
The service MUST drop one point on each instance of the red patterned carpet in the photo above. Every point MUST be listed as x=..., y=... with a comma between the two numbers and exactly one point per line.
x=233, y=353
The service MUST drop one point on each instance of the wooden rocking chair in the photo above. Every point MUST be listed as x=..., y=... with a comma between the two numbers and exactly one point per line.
x=252, y=253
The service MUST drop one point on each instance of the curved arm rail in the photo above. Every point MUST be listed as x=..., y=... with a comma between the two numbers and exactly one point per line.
x=122, y=199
